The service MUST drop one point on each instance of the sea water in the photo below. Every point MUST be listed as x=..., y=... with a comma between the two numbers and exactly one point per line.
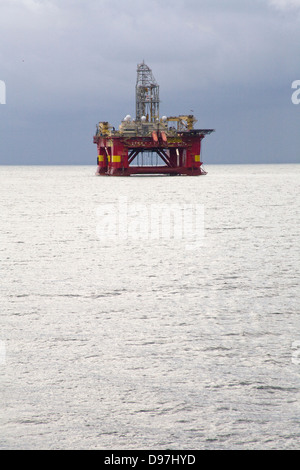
x=116, y=338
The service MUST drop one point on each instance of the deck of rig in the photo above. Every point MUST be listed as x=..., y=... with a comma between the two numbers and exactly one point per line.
x=149, y=144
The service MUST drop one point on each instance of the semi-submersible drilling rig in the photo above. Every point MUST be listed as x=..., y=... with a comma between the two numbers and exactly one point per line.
x=149, y=144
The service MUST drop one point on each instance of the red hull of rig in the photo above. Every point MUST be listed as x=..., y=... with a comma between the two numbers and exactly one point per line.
x=148, y=144
x=181, y=155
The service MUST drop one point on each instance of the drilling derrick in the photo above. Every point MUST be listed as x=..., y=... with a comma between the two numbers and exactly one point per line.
x=149, y=144
x=147, y=94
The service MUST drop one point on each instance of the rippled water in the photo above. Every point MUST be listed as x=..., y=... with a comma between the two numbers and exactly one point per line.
x=121, y=343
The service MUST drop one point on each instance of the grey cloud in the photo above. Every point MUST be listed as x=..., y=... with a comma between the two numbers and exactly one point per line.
x=72, y=60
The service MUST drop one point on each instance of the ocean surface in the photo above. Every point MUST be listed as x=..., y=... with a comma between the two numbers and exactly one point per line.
x=120, y=330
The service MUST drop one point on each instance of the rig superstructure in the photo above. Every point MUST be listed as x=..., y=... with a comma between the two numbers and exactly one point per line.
x=149, y=144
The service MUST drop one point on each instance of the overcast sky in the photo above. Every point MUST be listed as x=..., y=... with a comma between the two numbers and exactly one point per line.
x=68, y=64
